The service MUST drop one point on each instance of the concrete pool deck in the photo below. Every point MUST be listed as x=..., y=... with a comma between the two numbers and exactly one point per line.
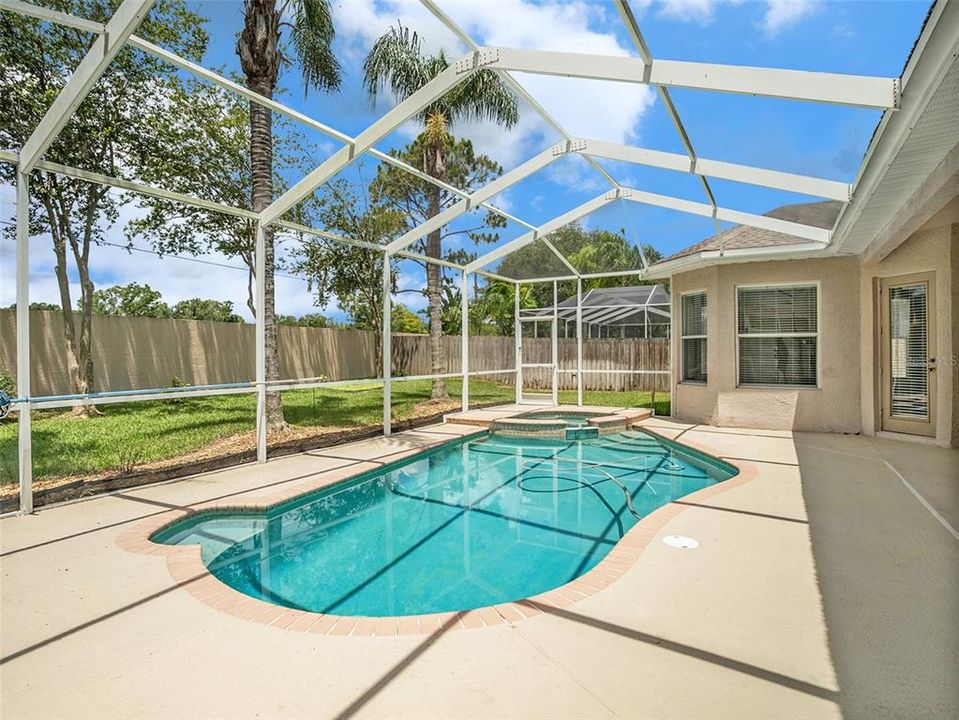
x=821, y=588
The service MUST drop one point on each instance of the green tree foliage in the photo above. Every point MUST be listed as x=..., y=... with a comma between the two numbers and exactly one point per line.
x=136, y=300
x=118, y=130
x=398, y=64
x=213, y=130
x=404, y=320
x=313, y=320
x=41, y=306
x=589, y=251
x=201, y=309
x=131, y=300
x=414, y=200
x=352, y=275
x=494, y=308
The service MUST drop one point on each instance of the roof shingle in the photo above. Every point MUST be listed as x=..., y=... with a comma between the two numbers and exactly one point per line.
x=818, y=214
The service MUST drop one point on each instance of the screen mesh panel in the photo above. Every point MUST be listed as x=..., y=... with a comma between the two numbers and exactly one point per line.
x=908, y=352
x=694, y=337
x=777, y=336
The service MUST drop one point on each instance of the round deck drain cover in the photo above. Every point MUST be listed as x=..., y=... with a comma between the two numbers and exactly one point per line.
x=681, y=541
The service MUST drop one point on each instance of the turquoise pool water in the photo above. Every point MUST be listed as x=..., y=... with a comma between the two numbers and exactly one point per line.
x=468, y=524
x=572, y=419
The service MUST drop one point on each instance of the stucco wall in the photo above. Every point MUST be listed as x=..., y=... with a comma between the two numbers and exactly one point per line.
x=832, y=407
x=932, y=248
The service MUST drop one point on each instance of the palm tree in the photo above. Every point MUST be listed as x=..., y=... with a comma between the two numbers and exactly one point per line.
x=397, y=62
x=310, y=29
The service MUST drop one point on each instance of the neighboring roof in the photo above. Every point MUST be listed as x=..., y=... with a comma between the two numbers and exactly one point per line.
x=629, y=305
x=628, y=295
x=819, y=214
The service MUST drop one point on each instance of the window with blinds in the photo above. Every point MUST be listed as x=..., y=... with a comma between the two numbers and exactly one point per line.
x=693, y=337
x=778, y=335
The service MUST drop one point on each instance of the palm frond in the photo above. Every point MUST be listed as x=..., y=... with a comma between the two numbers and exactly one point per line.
x=396, y=63
x=312, y=35
x=483, y=97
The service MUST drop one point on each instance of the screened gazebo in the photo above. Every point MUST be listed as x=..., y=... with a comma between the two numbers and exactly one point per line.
x=636, y=311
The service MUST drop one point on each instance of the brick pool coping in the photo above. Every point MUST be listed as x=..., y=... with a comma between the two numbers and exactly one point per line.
x=186, y=567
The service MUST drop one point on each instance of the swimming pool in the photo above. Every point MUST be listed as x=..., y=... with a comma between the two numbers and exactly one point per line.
x=472, y=523
x=570, y=418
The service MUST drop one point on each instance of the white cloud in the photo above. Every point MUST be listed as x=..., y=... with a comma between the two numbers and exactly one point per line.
x=783, y=14
x=360, y=22
x=778, y=15
x=609, y=111
x=698, y=11
x=205, y=276
x=574, y=174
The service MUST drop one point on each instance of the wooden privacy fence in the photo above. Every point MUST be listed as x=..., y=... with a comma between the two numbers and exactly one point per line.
x=603, y=363
x=138, y=353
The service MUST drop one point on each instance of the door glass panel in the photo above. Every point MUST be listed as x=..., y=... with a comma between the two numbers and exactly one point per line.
x=908, y=352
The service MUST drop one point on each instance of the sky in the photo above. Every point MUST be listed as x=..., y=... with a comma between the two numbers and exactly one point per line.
x=863, y=37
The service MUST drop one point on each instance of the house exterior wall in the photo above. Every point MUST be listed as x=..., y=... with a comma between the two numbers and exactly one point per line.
x=932, y=248
x=833, y=406
x=847, y=398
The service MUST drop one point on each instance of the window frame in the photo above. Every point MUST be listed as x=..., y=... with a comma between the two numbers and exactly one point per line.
x=682, y=337
x=818, y=334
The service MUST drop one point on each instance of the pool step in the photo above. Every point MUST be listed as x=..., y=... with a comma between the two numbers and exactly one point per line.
x=582, y=433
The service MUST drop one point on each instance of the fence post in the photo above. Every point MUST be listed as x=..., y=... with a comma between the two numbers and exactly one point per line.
x=387, y=345
x=518, y=345
x=260, y=335
x=25, y=433
x=465, y=340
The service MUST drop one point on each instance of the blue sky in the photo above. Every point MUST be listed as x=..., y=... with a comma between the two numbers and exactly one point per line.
x=868, y=38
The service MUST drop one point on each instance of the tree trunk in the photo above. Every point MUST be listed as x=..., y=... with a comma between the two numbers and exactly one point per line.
x=259, y=57
x=375, y=300
x=79, y=355
x=261, y=151
x=434, y=278
x=81, y=254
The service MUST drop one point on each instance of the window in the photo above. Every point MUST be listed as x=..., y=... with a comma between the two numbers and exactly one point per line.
x=694, y=337
x=778, y=335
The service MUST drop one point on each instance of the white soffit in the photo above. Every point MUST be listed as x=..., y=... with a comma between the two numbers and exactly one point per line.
x=928, y=143
x=911, y=143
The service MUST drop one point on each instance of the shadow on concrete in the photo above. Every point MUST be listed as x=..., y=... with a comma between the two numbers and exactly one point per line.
x=167, y=506
x=689, y=651
x=888, y=576
x=99, y=619
x=751, y=513
x=389, y=676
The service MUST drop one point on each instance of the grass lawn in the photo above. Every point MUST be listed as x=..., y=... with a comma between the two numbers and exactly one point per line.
x=130, y=434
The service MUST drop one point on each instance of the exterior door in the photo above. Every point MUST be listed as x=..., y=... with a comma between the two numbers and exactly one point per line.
x=908, y=348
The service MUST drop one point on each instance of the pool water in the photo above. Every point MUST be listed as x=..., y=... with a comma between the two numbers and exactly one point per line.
x=465, y=525
x=571, y=419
